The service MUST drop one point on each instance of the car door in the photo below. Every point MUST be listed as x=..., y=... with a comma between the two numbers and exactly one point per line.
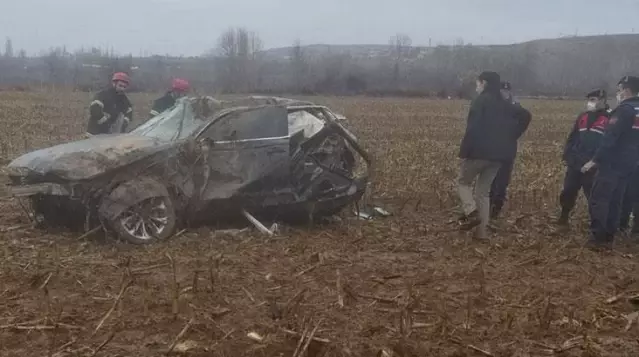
x=245, y=150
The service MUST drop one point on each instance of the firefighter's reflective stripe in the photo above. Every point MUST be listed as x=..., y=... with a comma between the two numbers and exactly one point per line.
x=154, y=112
x=98, y=102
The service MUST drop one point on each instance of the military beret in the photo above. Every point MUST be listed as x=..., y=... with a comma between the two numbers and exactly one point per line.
x=597, y=93
x=506, y=86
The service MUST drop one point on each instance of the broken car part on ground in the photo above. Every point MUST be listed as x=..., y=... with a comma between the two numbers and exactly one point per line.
x=204, y=157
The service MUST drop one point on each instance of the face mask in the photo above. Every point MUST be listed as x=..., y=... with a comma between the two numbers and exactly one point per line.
x=120, y=86
x=591, y=106
x=479, y=88
x=619, y=98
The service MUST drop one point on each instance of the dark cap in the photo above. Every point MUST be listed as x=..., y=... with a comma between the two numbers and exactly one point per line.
x=597, y=93
x=506, y=86
x=490, y=77
x=631, y=82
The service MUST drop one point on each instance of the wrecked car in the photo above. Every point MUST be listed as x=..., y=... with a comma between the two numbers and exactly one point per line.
x=203, y=157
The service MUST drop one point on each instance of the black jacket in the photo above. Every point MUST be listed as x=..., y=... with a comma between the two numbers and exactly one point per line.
x=585, y=137
x=161, y=104
x=522, y=117
x=491, y=133
x=619, y=149
x=107, y=105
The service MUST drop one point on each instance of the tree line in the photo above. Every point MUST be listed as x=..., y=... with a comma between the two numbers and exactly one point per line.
x=240, y=64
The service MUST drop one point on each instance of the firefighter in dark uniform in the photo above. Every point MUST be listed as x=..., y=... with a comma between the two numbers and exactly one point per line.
x=581, y=145
x=110, y=106
x=502, y=180
x=615, y=161
x=179, y=88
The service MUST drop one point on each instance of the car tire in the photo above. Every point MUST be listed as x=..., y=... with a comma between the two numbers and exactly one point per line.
x=149, y=221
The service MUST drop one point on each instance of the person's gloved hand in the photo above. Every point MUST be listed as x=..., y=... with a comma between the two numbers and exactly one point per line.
x=105, y=118
x=588, y=166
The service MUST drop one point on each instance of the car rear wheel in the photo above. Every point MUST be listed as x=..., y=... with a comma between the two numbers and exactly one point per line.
x=148, y=221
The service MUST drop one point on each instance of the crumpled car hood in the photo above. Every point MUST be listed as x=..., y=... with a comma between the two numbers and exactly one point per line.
x=88, y=158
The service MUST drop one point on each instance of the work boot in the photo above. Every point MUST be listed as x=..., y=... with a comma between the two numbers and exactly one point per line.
x=468, y=222
x=633, y=233
x=563, y=218
x=481, y=234
x=599, y=245
x=495, y=210
x=624, y=226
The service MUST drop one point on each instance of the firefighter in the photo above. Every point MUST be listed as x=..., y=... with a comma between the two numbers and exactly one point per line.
x=179, y=88
x=502, y=180
x=582, y=143
x=615, y=161
x=111, y=111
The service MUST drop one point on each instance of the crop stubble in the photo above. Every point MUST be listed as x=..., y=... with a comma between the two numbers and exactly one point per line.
x=408, y=285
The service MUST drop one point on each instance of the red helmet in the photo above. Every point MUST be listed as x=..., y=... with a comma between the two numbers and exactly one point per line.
x=180, y=85
x=121, y=76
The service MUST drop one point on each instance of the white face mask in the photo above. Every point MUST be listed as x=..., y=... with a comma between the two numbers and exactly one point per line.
x=591, y=106
x=120, y=86
x=479, y=88
x=619, y=98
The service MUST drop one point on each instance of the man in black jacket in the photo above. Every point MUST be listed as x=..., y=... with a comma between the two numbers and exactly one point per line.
x=582, y=143
x=179, y=88
x=489, y=141
x=111, y=111
x=615, y=161
x=502, y=180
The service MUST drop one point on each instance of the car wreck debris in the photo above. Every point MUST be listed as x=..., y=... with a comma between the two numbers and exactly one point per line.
x=370, y=213
x=257, y=223
x=203, y=158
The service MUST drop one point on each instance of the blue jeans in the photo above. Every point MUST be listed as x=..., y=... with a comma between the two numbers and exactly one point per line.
x=605, y=203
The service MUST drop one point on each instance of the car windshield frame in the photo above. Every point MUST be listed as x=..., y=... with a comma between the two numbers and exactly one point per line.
x=174, y=124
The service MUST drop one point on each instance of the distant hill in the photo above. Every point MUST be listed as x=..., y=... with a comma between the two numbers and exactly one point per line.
x=318, y=50
x=545, y=47
x=560, y=66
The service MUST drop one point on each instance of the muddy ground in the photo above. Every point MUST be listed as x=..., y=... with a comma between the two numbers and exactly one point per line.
x=406, y=285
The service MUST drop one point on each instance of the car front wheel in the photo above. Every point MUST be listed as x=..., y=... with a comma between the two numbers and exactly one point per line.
x=150, y=220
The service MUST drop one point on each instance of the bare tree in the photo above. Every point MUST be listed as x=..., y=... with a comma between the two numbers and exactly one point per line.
x=8, y=48
x=255, y=45
x=55, y=65
x=335, y=69
x=299, y=65
x=256, y=50
x=400, y=45
x=239, y=63
x=227, y=43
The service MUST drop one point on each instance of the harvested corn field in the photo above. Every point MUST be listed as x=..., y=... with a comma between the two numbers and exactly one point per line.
x=405, y=285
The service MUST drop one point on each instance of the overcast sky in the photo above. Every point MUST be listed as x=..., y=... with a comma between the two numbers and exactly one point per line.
x=190, y=27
